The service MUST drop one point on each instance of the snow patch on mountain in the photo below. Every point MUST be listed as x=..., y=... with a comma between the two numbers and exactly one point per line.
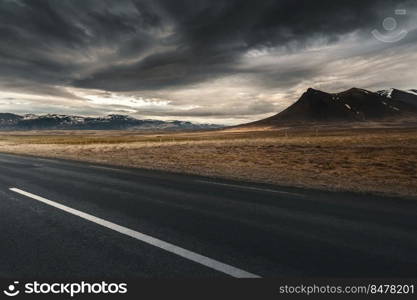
x=386, y=93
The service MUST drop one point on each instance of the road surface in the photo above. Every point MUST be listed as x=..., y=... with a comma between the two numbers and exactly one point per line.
x=62, y=219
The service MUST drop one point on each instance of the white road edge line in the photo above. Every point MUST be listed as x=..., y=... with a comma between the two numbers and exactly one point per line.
x=250, y=188
x=107, y=168
x=195, y=257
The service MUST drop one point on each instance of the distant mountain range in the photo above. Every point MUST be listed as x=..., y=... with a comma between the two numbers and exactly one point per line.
x=314, y=106
x=10, y=121
x=354, y=105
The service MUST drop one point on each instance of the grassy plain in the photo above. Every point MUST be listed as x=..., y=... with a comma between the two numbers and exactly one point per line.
x=370, y=160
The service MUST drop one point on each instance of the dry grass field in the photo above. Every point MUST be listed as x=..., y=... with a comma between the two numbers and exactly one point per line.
x=370, y=160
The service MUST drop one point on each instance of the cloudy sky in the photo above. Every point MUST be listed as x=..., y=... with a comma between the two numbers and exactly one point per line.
x=222, y=61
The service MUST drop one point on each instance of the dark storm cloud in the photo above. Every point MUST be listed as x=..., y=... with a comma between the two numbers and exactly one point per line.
x=52, y=41
x=202, y=59
x=135, y=45
x=209, y=37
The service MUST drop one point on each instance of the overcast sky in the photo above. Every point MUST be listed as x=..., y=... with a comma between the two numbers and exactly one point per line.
x=215, y=61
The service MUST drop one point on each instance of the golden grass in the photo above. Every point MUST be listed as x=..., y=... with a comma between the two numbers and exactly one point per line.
x=362, y=160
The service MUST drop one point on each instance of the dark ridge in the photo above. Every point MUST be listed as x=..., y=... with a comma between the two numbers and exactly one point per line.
x=353, y=105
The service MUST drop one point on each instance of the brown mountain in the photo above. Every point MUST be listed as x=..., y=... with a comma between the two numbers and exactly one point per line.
x=354, y=105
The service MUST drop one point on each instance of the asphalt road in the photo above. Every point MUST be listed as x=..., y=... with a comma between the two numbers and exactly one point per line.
x=62, y=219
